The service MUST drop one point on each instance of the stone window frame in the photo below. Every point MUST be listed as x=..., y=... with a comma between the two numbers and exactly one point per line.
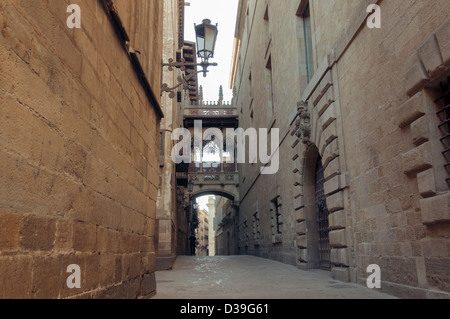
x=251, y=96
x=308, y=46
x=267, y=33
x=162, y=148
x=250, y=82
x=268, y=73
x=418, y=113
x=256, y=229
x=303, y=8
x=276, y=218
x=256, y=225
x=244, y=236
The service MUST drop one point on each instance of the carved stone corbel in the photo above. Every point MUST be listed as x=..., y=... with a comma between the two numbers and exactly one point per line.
x=303, y=122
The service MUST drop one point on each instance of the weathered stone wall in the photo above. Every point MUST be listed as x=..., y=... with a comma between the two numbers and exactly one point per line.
x=383, y=155
x=227, y=234
x=274, y=39
x=372, y=120
x=146, y=34
x=79, y=149
x=166, y=205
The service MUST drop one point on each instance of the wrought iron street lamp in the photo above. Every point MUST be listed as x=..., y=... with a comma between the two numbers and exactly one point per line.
x=206, y=34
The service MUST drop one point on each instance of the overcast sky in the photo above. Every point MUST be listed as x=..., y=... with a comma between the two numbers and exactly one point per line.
x=224, y=13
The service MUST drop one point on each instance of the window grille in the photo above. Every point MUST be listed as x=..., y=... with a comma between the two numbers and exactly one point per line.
x=322, y=219
x=444, y=123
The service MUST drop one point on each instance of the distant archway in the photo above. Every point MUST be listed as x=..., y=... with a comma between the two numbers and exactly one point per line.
x=211, y=192
x=225, y=220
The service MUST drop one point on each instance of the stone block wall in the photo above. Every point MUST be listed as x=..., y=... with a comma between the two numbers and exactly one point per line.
x=166, y=205
x=387, y=79
x=265, y=38
x=79, y=147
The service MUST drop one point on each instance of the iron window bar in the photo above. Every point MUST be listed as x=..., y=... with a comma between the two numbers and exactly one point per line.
x=322, y=219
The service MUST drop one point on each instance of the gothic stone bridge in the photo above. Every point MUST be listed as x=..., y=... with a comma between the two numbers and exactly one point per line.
x=210, y=178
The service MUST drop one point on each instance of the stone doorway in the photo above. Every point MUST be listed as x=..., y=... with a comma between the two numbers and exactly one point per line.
x=314, y=240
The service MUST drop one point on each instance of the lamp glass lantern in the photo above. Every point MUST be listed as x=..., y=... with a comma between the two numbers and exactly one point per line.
x=206, y=34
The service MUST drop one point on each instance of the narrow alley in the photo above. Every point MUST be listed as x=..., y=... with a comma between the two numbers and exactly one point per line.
x=248, y=277
x=312, y=133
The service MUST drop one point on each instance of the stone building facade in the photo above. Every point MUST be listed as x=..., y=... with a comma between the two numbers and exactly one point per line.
x=169, y=221
x=226, y=227
x=202, y=233
x=79, y=147
x=212, y=232
x=364, y=148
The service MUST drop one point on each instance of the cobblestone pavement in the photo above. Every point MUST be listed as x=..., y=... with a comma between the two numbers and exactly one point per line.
x=248, y=277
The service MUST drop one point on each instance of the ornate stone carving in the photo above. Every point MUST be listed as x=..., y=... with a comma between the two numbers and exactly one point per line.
x=303, y=122
x=208, y=178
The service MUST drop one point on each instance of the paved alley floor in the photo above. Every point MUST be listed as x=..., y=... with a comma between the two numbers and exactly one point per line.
x=248, y=277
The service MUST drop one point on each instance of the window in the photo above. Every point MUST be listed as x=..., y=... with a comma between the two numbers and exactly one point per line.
x=308, y=43
x=162, y=148
x=244, y=237
x=256, y=229
x=247, y=23
x=268, y=37
x=444, y=123
x=269, y=87
x=250, y=85
x=276, y=220
x=305, y=40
